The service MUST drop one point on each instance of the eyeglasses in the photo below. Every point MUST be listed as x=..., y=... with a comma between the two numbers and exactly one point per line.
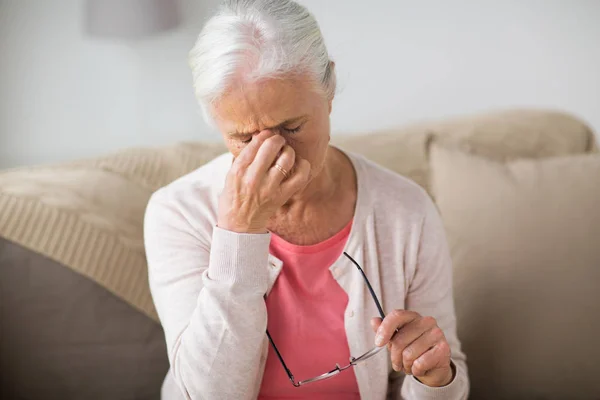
x=353, y=360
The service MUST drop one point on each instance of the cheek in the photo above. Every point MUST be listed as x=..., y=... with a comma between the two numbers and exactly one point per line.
x=313, y=150
x=319, y=142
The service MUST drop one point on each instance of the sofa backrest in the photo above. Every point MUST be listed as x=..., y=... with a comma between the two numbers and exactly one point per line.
x=501, y=135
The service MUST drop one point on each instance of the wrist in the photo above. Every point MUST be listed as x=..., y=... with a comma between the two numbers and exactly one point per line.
x=446, y=376
x=451, y=373
x=242, y=228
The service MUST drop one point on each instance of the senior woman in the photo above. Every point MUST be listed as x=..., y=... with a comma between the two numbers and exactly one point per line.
x=288, y=269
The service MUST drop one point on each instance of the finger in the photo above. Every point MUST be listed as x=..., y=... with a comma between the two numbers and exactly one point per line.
x=435, y=358
x=406, y=337
x=265, y=156
x=286, y=160
x=420, y=346
x=248, y=154
x=394, y=320
x=298, y=179
x=375, y=323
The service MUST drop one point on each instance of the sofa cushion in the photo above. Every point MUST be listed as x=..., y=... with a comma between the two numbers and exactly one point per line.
x=88, y=215
x=62, y=336
x=525, y=242
x=503, y=135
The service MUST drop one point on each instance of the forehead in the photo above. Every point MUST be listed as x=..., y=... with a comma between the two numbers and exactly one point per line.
x=258, y=105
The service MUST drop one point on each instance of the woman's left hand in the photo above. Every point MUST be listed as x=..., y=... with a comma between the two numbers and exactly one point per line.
x=418, y=348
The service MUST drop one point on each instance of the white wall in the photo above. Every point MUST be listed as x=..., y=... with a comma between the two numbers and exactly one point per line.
x=64, y=95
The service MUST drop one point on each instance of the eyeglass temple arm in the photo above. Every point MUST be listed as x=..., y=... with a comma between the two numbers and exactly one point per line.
x=381, y=313
x=287, y=370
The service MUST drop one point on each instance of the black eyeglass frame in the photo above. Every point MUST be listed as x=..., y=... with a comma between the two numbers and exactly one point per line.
x=353, y=360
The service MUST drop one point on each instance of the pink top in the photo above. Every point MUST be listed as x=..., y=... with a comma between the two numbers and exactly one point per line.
x=306, y=321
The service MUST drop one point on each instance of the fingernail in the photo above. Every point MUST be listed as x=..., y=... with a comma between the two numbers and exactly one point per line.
x=396, y=368
x=379, y=340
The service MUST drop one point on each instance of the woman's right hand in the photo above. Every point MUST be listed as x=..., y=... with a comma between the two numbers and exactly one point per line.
x=255, y=188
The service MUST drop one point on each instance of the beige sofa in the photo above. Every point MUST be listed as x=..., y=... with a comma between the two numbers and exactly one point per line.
x=76, y=317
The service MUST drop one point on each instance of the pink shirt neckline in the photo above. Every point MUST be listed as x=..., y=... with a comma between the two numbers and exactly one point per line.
x=342, y=235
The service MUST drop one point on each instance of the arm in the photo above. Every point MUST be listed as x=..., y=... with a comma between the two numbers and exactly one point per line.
x=209, y=297
x=425, y=345
x=209, y=291
x=430, y=294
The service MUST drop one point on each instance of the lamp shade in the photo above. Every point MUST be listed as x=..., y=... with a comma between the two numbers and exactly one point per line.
x=130, y=18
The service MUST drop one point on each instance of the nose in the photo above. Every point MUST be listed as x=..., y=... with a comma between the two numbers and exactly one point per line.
x=273, y=132
x=268, y=133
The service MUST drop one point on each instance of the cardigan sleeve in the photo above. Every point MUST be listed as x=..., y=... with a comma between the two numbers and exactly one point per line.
x=209, y=297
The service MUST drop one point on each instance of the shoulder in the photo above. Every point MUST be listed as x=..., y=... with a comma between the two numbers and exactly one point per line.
x=191, y=198
x=209, y=177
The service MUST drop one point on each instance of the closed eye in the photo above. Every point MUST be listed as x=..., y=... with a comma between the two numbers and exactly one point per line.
x=289, y=131
x=293, y=130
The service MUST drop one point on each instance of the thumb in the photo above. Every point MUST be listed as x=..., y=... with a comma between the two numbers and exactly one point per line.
x=375, y=322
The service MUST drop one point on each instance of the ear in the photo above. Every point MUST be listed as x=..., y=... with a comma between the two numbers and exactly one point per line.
x=331, y=71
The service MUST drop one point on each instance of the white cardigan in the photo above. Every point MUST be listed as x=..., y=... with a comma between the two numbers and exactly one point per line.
x=208, y=284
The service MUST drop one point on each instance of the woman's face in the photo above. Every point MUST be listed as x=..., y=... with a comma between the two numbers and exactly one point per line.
x=290, y=107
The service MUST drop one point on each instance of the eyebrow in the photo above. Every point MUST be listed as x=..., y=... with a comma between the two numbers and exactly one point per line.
x=286, y=122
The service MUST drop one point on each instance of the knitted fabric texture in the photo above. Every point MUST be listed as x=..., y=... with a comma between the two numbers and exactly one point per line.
x=88, y=215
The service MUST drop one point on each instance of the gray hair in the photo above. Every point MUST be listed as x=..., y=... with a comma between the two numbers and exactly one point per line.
x=260, y=39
